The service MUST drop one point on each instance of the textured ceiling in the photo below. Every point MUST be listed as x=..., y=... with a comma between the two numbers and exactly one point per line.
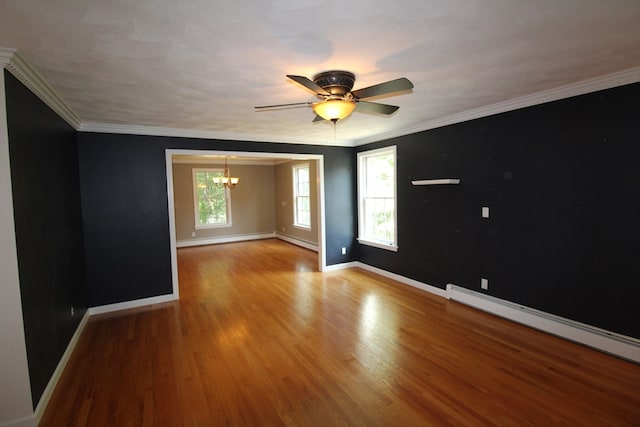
x=204, y=65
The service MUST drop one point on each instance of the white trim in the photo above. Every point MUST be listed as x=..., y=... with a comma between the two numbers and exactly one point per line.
x=214, y=226
x=600, y=339
x=574, y=89
x=231, y=162
x=297, y=242
x=295, y=168
x=379, y=245
x=169, y=153
x=55, y=377
x=302, y=227
x=5, y=56
x=362, y=194
x=108, y=308
x=343, y=266
x=402, y=279
x=33, y=80
x=223, y=239
x=175, y=286
x=436, y=181
x=203, y=134
x=591, y=336
x=608, y=342
x=28, y=75
x=322, y=252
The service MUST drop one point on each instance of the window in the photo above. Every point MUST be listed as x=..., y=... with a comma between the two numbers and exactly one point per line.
x=212, y=203
x=377, y=198
x=301, y=196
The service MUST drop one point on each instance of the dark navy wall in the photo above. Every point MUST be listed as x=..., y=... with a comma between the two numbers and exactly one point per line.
x=48, y=222
x=563, y=185
x=125, y=211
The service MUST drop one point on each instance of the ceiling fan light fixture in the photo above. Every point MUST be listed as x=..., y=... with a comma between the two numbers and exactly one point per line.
x=334, y=109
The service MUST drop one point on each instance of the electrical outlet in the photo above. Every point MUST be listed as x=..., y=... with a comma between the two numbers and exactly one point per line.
x=344, y=251
x=193, y=234
x=72, y=312
x=485, y=212
x=484, y=283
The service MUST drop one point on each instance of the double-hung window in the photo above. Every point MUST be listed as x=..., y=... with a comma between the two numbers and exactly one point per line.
x=377, y=198
x=301, y=196
x=212, y=202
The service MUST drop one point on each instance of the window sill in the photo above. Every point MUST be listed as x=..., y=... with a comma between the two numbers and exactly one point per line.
x=205, y=227
x=380, y=245
x=302, y=227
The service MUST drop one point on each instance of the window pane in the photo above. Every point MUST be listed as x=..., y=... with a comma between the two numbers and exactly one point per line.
x=302, y=208
x=212, y=201
x=305, y=218
x=377, y=193
x=303, y=174
x=379, y=176
x=379, y=219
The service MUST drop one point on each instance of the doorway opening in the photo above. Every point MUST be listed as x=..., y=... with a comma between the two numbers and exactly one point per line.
x=172, y=154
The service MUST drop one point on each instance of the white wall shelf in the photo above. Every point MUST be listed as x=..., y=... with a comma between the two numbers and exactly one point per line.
x=436, y=181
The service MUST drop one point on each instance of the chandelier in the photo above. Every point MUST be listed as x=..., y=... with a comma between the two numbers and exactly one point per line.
x=226, y=180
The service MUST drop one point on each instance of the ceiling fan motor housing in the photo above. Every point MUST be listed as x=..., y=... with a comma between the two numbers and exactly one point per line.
x=336, y=82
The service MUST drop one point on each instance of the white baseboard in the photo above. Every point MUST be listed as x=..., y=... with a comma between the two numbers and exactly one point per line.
x=423, y=286
x=297, y=242
x=34, y=419
x=608, y=342
x=108, y=308
x=225, y=239
x=55, y=377
x=342, y=266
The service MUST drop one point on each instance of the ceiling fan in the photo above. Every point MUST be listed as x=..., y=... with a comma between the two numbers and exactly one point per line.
x=338, y=101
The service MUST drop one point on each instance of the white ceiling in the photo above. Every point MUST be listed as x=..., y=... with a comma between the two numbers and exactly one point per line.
x=201, y=66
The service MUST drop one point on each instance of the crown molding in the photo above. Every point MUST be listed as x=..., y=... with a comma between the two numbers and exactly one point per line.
x=580, y=88
x=5, y=56
x=23, y=71
x=27, y=75
x=240, y=161
x=200, y=134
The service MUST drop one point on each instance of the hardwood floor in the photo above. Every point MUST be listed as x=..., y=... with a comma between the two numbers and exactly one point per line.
x=259, y=338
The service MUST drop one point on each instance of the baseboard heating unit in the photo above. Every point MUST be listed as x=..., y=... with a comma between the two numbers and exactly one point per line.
x=600, y=339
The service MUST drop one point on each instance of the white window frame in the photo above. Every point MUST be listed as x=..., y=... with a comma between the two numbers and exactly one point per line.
x=294, y=170
x=362, y=196
x=196, y=211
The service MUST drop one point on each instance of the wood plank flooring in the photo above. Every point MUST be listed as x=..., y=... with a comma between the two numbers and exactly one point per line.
x=260, y=338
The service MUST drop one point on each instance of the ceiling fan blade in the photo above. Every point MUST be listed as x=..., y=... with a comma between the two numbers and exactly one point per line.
x=304, y=81
x=391, y=86
x=318, y=119
x=374, y=107
x=294, y=104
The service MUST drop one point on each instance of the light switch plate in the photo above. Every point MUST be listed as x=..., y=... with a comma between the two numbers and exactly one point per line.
x=485, y=212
